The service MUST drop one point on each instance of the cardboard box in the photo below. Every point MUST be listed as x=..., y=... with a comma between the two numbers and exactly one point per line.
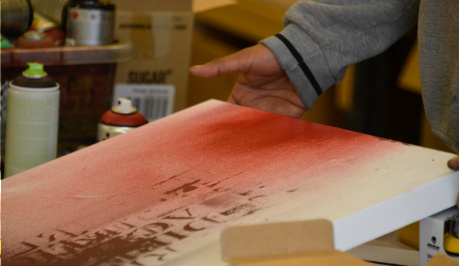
x=432, y=235
x=161, y=33
x=292, y=244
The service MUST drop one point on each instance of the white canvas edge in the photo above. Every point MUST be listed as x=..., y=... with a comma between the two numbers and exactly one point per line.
x=393, y=214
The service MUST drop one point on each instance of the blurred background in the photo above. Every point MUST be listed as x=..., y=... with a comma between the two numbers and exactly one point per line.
x=380, y=96
x=154, y=42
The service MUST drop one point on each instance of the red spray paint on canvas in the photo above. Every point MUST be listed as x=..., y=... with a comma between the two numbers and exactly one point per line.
x=145, y=193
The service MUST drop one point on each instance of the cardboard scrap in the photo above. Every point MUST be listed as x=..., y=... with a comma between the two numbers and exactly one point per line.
x=288, y=243
x=442, y=260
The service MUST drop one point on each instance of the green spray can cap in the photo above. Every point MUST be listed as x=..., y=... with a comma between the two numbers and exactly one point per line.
x=34, y=70
x=35, y=77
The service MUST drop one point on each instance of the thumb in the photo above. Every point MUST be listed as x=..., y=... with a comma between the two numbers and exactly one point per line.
x=454, y=163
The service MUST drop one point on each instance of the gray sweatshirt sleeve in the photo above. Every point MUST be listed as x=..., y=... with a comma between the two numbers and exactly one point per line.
x=322, y=37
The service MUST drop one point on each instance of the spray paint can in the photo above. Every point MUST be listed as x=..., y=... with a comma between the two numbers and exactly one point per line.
x=121, y=119
x=5, y=43
x=89, y=22
x=32, y=120
x=54, y=10
x=34, y=39
x=17, y=17
x=49, y=28
x=451, y=242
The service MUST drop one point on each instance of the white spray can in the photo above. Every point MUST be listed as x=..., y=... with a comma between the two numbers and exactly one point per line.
x=32, y=120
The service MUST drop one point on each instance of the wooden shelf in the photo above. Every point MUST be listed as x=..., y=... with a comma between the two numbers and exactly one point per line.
x=78, y=55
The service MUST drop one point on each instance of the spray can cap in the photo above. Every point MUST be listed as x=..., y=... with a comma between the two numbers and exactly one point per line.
x=34, y=69
x=124, y=106
x=34, y=35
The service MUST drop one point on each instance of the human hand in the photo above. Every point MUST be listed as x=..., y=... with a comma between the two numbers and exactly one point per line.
x=454, y=164
x=262, y=83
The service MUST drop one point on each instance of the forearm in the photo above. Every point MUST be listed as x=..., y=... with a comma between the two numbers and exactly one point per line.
x=327, y=36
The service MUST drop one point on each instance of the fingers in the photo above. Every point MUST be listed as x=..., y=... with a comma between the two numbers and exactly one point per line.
x=454, y=163
x=204, y=71
x=231, y=99
x=221, y=66
x=235, y=63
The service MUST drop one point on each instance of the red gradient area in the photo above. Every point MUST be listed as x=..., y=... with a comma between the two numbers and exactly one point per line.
x=208, y=157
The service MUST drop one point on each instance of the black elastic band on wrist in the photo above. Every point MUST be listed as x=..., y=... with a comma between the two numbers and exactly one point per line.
x=301, y=63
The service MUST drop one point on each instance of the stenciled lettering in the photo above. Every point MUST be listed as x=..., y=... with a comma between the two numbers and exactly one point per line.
x=143, y=236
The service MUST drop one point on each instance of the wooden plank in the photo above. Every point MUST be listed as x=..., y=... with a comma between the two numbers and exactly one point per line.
x=162, y=193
